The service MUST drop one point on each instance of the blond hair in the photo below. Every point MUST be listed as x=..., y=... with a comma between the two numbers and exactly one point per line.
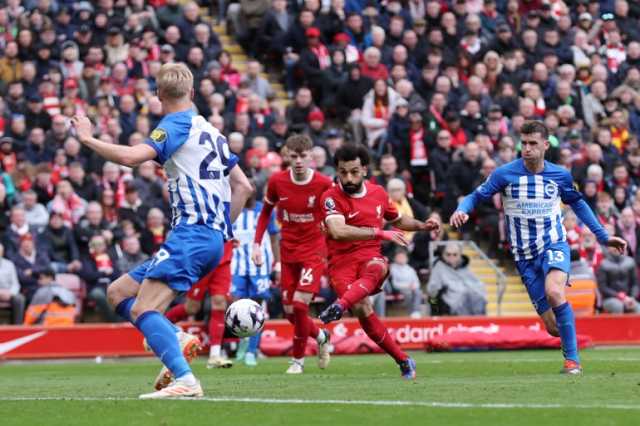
x=175, y=81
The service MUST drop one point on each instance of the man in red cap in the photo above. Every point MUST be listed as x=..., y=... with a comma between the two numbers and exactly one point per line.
x=315, y=128
x=314, y=60
x=72, y=96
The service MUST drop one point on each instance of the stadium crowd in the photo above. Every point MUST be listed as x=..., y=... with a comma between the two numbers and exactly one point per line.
x=437, y=89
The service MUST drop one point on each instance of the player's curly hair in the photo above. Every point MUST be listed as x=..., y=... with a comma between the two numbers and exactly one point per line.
x=534, y=126
x=299, y=143
x=350, y=152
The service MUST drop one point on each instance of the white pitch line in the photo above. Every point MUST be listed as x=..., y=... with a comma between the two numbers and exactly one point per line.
x=431, y=404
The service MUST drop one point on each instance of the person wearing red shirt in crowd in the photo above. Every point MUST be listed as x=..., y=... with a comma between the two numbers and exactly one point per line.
x=296, y=192
x=355, y=212
x=372, y=67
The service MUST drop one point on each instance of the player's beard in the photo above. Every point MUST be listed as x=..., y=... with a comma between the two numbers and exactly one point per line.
x=352, y=188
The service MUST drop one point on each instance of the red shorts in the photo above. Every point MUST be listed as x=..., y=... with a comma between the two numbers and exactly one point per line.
x=302, y=276
x=343, y=274
x=218, y=281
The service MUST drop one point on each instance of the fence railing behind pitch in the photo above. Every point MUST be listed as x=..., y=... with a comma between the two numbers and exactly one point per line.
x=501, y=278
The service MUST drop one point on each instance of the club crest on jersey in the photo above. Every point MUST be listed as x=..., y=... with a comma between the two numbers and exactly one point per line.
x=312, y=201
x=330, y=205
x=379, y=210
x=158, y=135
x=551, y=189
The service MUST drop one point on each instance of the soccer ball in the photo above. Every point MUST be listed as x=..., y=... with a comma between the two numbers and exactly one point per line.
x=244, y=318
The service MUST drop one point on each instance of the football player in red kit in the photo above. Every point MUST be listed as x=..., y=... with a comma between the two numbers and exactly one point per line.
x=355, y=212
x=296, y=192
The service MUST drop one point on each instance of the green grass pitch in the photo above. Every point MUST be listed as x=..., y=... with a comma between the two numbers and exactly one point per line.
x=490, y=388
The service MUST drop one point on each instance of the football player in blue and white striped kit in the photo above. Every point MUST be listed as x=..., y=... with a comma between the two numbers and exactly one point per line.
x=532, y=190
x=207, y=192
x=249, y=280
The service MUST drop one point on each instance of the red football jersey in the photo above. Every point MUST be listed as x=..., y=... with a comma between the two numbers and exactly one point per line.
x=370, y=209
x=299, y=214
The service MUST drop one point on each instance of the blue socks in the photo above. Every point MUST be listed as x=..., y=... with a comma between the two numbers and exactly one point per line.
x=254, y=343
x=161, y=337
x=124, y=308
x=566, y=323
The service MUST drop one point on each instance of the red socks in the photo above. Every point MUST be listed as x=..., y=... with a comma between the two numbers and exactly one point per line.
x=368, y=282
x=379, y=334
x=303, y=327
x=177, y=313
x=216, y=327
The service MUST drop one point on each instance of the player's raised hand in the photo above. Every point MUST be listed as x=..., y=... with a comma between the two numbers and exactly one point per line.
x=256, y=255
x=617, y=243
x=458, y=219
x=393, y=235
x=83, y=127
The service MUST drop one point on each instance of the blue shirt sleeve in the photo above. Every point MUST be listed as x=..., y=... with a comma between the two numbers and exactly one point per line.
x=573, y=198
x=494, y=184
x=168, y=137
x=272, y=228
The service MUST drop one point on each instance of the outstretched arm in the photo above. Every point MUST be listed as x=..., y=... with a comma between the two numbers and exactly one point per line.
x=410, y=224
x=130, y=156
x=340, y=231
x=574, y=199
x=585, y=214
x=484, y=192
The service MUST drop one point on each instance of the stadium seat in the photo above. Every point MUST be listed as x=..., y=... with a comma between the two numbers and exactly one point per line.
x=581, y=294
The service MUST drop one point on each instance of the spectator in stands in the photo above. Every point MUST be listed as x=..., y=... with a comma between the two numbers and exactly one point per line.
x=397, y=190
x=258, y=84
x=580, y=269
x=36, y=214
x=402, y=280
x=52, y=304
x=629, y=229
x=319, y=156
x=379, y=105
x=99, y=269
x=350, y=100
x=59, y=244
x=92, y=224
x=18, y=227
x=298, y=111
x=68, y=203
x=154, y=233
x=149, y=185
x=618, y=283
x=10, y=289
x=463, y=173
x=453, y=282
x=132, y=208
x=28, y=261
x=131, y=256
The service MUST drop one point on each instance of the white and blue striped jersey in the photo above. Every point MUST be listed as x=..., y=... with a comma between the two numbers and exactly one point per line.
x=197, y=161
x=531, y=205
x=244, y=231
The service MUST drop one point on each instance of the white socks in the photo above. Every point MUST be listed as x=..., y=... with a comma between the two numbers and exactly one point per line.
x=214, y=350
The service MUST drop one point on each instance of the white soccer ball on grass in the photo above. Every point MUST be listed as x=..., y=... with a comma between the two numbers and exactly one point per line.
x=245, y=318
